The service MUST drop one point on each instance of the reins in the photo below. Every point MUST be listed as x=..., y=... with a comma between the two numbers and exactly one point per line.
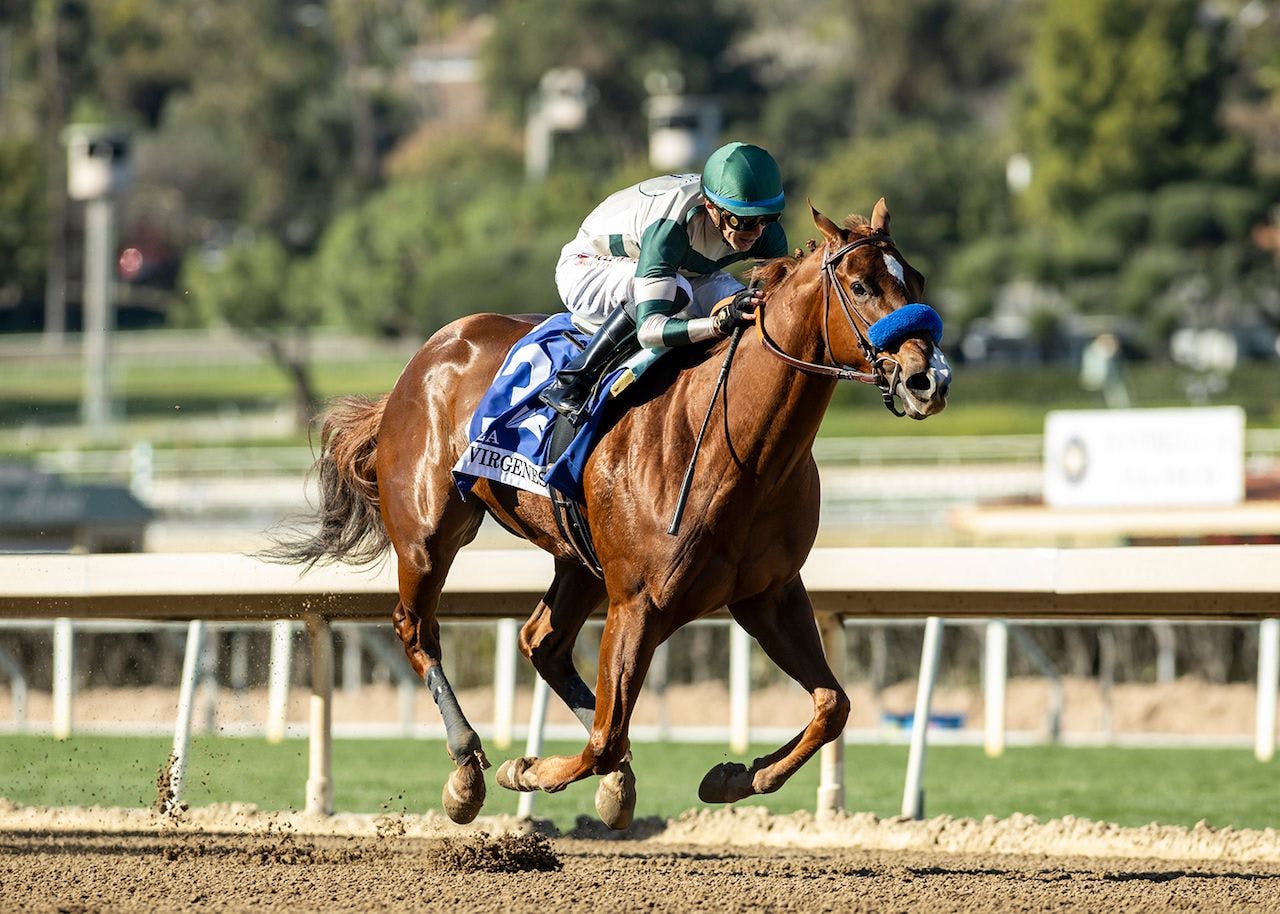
x=885, y=381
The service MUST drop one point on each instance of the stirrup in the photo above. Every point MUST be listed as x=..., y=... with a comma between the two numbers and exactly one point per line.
x=565, y=400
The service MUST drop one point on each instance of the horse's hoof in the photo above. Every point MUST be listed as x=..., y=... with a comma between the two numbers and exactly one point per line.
x=727, y=782
x=463, y=793
x=514, y=774
x=616, y=798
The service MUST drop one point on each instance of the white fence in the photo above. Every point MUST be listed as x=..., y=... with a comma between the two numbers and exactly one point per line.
x=1178, y=583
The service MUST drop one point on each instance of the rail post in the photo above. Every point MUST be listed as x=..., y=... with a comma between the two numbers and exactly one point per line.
x=1166, y=651
x=208, y=680
x=533, y=744
x=930, y=653
x=278, y=679
x=1268, y=681
x=739, y=688
x=63, y=677
x=994, y=677
x=504, y=681
x=186, y=708
x=319, y=771
x=352, y=659
x=831, y=776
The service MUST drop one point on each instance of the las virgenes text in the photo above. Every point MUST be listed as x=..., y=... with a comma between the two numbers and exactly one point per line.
x=507, y=463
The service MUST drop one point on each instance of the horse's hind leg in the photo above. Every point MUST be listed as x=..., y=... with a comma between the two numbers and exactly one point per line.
x=425, y=547
x=547, y=639
x=783, y=624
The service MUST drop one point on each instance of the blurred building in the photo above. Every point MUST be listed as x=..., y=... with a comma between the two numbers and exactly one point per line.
x=446, y=76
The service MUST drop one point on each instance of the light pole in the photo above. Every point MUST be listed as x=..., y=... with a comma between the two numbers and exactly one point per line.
x=97, y=171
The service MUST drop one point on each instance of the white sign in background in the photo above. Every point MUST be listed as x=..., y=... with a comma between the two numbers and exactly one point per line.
x=1128, y=458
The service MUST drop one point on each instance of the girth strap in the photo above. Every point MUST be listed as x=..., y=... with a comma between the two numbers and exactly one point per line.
x=571, y=519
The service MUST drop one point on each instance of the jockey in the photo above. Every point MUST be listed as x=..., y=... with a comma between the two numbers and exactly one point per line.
x=650, y=261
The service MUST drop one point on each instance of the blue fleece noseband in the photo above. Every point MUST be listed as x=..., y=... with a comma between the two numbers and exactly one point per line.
x=910, y=320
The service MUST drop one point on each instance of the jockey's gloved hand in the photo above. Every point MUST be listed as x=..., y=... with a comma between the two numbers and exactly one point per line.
x=736, y=309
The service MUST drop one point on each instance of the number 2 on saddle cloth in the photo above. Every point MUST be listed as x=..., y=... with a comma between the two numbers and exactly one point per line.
x=511, y=428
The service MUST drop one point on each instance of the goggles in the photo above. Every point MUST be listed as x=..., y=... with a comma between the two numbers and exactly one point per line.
x=747, y=223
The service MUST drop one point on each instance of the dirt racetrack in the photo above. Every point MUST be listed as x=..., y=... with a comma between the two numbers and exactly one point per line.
x=236, y=858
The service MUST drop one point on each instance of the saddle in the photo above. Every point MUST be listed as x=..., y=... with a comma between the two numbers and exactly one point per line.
x=517, y=440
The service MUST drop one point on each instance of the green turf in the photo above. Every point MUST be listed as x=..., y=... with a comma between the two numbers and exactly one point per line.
x=1125, y=786
x=52, y=394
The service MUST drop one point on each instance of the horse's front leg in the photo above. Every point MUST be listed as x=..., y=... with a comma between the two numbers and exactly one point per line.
x=626, y=649
x=547, y=640
x=782, y=622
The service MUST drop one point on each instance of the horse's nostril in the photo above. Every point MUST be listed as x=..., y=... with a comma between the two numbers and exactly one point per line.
x=920, y=382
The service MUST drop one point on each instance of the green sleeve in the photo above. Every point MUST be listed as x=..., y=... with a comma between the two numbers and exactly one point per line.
x=662, y=249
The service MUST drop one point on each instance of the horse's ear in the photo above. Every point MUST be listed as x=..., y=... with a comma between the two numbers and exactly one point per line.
x=880, y=216
x=829, y=229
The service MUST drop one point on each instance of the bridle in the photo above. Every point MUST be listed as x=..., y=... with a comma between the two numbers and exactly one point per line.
x=886, y=379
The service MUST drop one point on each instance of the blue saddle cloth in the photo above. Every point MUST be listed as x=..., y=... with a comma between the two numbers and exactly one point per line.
x=510, y=430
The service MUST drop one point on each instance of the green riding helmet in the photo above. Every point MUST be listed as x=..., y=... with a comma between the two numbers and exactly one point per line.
x=743, y=179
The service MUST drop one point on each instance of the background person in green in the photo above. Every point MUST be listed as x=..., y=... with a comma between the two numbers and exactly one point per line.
x=651, y=258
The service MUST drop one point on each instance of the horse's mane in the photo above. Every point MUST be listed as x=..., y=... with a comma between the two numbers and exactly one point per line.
x=774, y=271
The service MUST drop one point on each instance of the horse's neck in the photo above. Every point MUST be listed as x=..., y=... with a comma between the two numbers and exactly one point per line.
x=775, y=409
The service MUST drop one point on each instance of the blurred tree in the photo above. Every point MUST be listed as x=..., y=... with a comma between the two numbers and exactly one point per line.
x=287, y=118
x=1139, y=195
x=253, y=287
x=59, y=28
x=23, y=242
x=250, y=95
x=803, y=120
x=270, y=97
x=1253, y=40
x=934, y=59
x=142, y=53
x=835, y=71
x=1124, y=95
x=466, y=235
x=1134, y=256
x=373, y=37
x=272, y=116
x=944, y=187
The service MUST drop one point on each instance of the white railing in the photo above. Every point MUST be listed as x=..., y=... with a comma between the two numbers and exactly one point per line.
x=1179, y=583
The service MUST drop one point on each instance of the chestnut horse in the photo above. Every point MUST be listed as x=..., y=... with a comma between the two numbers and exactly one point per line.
x=385, y=478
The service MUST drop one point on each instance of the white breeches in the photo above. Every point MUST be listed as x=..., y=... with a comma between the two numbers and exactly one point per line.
x=592, y=286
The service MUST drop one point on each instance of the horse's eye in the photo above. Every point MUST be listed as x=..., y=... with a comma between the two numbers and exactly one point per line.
x=858, y=288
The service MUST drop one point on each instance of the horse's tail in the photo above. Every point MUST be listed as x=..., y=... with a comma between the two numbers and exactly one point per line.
x=351, y=528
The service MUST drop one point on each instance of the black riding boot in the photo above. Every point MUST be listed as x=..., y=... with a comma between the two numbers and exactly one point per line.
x=568, y=393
